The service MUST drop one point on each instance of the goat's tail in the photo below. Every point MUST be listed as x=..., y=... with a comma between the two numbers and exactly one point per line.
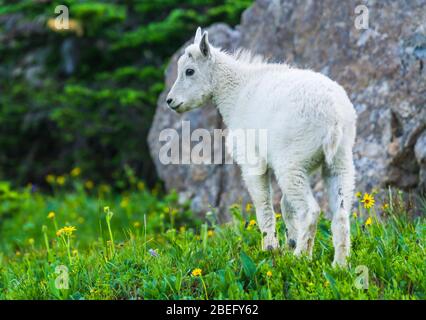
x=331, y=142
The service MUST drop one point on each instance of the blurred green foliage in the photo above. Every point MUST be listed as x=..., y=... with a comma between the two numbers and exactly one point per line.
x=86, y=97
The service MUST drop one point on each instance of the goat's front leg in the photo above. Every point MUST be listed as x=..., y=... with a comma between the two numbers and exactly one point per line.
x=260, y=192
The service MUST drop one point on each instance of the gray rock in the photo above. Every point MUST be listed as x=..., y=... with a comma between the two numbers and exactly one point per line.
x=382, y=69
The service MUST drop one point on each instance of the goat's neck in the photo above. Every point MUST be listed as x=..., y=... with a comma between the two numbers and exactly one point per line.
x=228, y=76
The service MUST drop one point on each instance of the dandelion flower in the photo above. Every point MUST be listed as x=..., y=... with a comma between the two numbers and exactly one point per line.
x=124, y=203
x=50, y=178
x=197, y=272
x=89, y=184
x=67, y=230
x=75, y=172
x=210, y=233
x=358, y=194
x=269, y=273
x=104, y=188
x=141, y=186
x=278, y=215
x=61, y=180
x=369, y=221
x=368, y=201
x=249, y=206
x=251, y=224
x=385, y=206
x=51, y=215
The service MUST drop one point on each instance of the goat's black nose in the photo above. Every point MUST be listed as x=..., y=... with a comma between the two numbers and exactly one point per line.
x=169, y=101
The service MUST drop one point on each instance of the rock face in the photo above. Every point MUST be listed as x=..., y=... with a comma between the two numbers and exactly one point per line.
x=382, y=68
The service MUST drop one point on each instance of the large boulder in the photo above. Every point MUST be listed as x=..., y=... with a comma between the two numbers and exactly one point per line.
x=382, y=68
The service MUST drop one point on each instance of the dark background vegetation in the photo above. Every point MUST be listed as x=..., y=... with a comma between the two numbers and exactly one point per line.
x=86, y=97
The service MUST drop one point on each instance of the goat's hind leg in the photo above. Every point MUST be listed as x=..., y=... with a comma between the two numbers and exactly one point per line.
x=339, y=178
x=260, y=192
x=295, y=186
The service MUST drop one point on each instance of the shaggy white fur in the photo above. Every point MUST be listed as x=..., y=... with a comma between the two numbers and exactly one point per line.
x=310, y=123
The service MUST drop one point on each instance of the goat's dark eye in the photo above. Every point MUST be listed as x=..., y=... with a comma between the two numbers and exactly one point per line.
x=189, y=72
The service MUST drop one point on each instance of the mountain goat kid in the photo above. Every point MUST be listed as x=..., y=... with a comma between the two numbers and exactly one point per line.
x=310, y=123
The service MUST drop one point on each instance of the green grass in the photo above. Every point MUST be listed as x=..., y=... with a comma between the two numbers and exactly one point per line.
x=232, y=264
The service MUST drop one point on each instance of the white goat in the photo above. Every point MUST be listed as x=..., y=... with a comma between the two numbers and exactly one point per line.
x=310, y=123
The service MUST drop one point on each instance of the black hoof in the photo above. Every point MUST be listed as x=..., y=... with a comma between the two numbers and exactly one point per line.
x=292, y=244
x=270, y=247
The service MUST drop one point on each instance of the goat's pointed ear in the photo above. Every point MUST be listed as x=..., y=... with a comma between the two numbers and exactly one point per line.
x=205, y=45
x=197, y=38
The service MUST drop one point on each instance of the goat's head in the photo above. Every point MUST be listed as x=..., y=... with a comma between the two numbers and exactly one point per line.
x=193, y=85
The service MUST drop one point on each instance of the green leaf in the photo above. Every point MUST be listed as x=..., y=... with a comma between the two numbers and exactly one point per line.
x=249, y=267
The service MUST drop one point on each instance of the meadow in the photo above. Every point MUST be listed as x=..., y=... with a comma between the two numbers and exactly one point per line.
x=141, y=244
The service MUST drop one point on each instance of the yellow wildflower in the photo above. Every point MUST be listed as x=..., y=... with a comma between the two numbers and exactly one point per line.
x=358, y=194
x=104, y=188
x=67, y=230
x=251, y=224
x=269, y=273
x=31, y=241
x=355, y=215
x=278, y=215
x=61, y=180
x=51, y=215
x=249, y=206
x=75, y=172
x=124, y=203
x=210, y=233
x=385, y=206
x=197, y=272
x=89, y=184
x=368, y=201
x=136, y=224
x=368, y=222
x=50, y=178
x=141, y=186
